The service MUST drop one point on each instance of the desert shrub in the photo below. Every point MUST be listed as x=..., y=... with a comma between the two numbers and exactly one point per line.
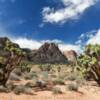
x=14, y=77
x=71, y=77
x=17, y=71
x=23, y=89
x=10, y=86
x=75, y=76
x=41, y=84
x=56, y=90
x=28, y=91
x=3, y=89
x=31, y=84
x=72, y=87
x=31, y=75
x=45, y=67
x=19, y=89
x=25, y=66
x=58, y=81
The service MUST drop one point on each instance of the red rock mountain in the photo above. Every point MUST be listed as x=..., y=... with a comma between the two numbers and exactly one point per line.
x=48, y=53
x=70, y=55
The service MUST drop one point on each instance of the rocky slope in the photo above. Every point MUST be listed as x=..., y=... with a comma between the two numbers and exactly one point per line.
x=47, y=53
x=70, y=55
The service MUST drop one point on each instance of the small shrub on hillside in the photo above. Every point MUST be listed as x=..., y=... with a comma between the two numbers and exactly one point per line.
x=72, y=87
x=17, y=71
x=71, y=77
x=45, y=67
x=58, y=81
x=23, y=89
x=31, y=75
x=3, y=89
x=19, y=89
x=10, y=86
x=28, y=91
x=56, y=90
x=14, y=77
x=31, y=84
x=41, y=84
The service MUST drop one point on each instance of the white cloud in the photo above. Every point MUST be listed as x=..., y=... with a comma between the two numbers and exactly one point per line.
x=27, y=43
x=67, y=47
x=72, y=10
x=95, y=39
x=34, y=44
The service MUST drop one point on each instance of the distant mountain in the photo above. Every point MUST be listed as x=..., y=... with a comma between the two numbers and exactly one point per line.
x=71, y=55
x=47, y=53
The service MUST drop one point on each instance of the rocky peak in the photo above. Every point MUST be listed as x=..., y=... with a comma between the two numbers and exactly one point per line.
x=70, y=55
x=48, y=53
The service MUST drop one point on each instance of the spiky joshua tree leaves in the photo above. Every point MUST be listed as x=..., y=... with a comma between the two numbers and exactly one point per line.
x=7, y=64
x=89, y=62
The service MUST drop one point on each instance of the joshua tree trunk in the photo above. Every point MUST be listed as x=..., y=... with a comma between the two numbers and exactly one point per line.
x=95, y=70
x=9, y=65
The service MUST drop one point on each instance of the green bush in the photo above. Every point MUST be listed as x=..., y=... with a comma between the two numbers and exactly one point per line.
x=71, y=77
x=58, y=81
x=19, y=89
x=14, y=77
x=56, y=90
x=72, y=87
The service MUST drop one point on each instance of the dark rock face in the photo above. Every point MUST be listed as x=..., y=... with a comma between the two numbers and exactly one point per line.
x=48, y=53
x=70, y=55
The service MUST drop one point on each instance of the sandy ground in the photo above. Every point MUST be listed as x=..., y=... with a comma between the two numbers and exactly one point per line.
x=85, y=93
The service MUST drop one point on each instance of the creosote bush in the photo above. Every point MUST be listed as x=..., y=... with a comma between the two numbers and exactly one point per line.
x=72, y=87
x=58, y=81
x=57, y=90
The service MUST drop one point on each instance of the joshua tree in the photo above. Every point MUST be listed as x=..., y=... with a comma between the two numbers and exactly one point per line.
x=9, y=62
x=90, y=61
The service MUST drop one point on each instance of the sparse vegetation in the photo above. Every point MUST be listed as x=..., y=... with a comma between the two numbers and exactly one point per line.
x=72, y=87
x=23, y=77
x=56, y=90
x=58, y=81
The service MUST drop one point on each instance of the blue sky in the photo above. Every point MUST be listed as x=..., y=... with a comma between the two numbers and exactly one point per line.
x=70, y=23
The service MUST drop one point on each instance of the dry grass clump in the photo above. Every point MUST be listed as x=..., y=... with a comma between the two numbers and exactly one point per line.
x=72, y=87
x=58, y=81
x=57, y=90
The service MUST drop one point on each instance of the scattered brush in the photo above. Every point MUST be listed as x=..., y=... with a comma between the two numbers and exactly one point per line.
x=72, y=87
x=3, y=89
x=71, y=77
x=31, y=84
x=14, y=77
x=58, y=81
x=19, y=89
x=23, y=89
x=31, y=75
x=57, y=90
x=17, y=71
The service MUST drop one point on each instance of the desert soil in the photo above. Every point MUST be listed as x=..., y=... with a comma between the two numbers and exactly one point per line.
x=85, y=93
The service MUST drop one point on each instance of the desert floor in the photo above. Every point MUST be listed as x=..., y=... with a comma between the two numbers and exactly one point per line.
x=84, y=93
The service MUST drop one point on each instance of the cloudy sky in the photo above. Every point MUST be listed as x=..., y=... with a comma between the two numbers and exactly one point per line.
x=69, y=23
